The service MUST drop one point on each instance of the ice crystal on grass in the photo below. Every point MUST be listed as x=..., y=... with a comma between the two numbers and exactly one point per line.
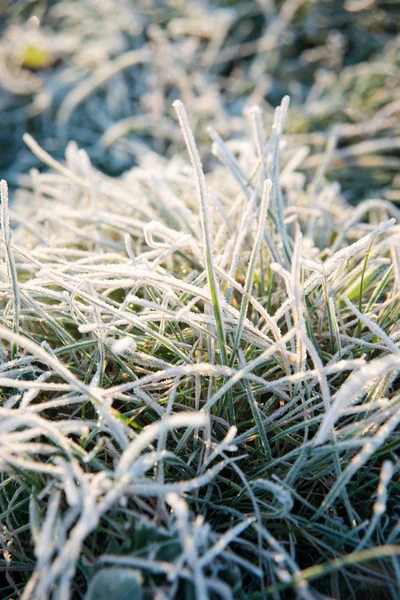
x=199, y=378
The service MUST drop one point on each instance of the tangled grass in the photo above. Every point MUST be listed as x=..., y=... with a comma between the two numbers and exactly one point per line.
x=199, y=370
x=200, y=379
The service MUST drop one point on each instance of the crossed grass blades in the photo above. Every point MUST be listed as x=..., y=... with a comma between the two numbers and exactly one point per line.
x=199, y=379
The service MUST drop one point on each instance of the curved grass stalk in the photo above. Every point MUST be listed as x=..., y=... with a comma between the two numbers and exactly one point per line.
x=11, y=270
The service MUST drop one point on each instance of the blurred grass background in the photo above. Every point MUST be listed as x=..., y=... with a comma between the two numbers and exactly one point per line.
x=105, y=73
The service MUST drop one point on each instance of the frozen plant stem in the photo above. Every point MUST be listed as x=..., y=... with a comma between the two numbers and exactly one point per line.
x=248, y=286
x=206, y=224
x=11, y=270
x=206, y=228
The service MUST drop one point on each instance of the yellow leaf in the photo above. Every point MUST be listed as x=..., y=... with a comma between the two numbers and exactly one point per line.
x=36, y=58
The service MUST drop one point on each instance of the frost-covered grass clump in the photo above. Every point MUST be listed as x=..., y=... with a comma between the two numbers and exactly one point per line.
x=199, y=379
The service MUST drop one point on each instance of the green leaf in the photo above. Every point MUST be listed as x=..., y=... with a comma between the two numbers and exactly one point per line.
x=116, y=583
